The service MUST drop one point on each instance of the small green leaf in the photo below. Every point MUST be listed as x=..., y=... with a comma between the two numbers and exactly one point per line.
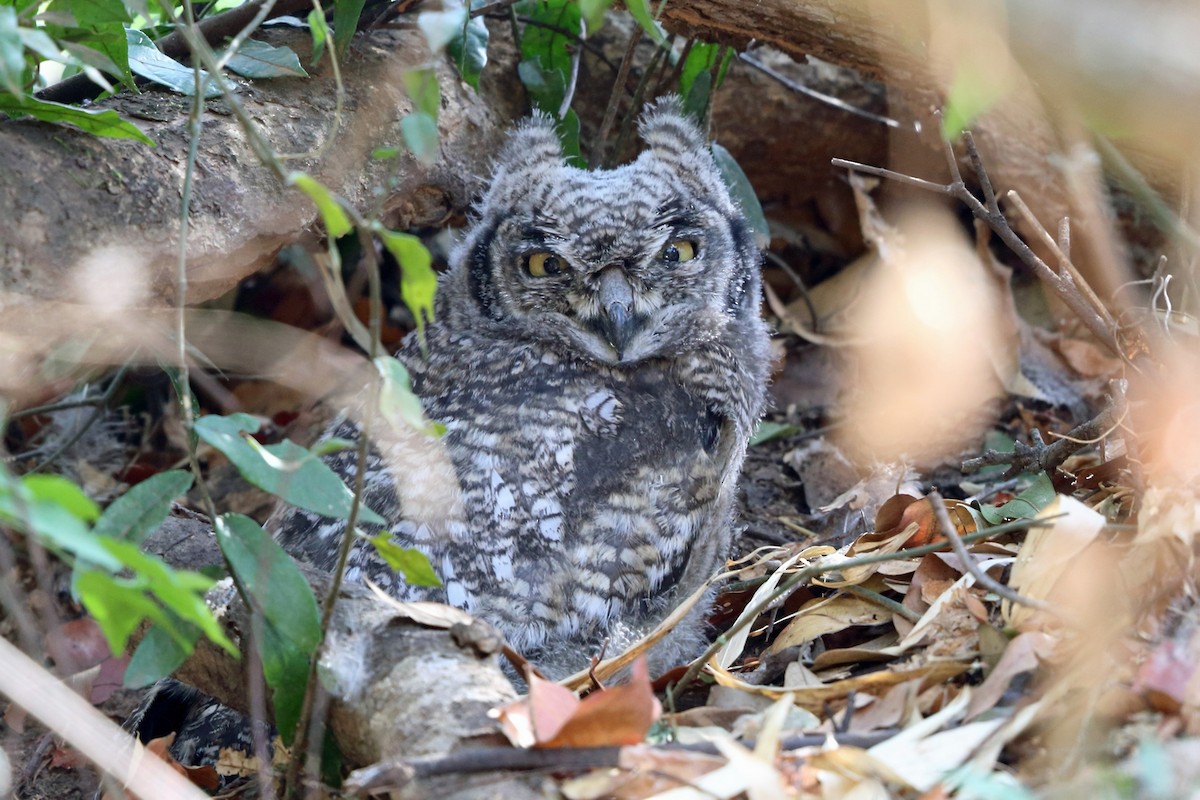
x=256, y=59
x=695, y=102
x=337, y=222
x=420, y=134
x=408, y=561
x=147, y=60
x=701, y=58
x=424, y=91
x=972, y=93
x=156, y=657
x=468, y=48
x=58, y=490
x=418, y=281
x=767, y=430
x=742, y=193
x=12, y=53
x=286, y=470
x=593, y=12
x=397, y=402
x=101, y=123
x=36, y=40
x=291, y=620
x=385, y=153
x=345, y=22
x=332, y=445
x=106, y=49
x=546, y=87
x=138, y=512
x=1025, y=505
x=320, y=35
x=90, y=13
x=568, y=134
x=640, y=11
x=117, y=607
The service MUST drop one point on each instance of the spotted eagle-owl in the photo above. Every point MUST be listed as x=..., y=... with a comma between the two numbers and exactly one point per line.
x=598, y=361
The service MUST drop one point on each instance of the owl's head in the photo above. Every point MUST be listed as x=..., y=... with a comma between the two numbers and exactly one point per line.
x=651, y=259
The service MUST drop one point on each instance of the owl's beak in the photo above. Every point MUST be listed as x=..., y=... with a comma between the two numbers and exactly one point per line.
x=617, y=321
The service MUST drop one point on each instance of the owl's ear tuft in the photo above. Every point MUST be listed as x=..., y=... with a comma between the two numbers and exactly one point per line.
x=667, y=130
x=533, y=145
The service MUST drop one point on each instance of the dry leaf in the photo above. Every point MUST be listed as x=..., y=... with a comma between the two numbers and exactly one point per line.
x=828, y=615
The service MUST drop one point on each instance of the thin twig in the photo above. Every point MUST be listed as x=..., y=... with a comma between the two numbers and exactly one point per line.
x=600, y=151
x=821, y=97
x=883, y=602
x=105, y=398
x=569, y=94
x=972, y=566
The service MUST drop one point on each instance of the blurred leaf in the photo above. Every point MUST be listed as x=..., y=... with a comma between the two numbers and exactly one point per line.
x=320, y=35
x=546, y=88
x=972, y=93
x=408, y=561
x=260, y=60
x=742, y=193
x=345, y=21
x=56, y=526
x=105, y=47
x=640, y=11
x=593, y=12
x=767, y=430
x=337, y=222
x=468, y=48
x=397, y=402
x=116, y=606
x=424, y=91
x=1025, y=505
x=37, y=41
x=291, y=619
x=418, y=281
x=545, y=65
x=441, y=27
x=12, y=52
x=568, y=134
x=147, y=60
x=156, y=657
x=420, y=134
x=695, y=103
x=384, y=153
x=135, y=514
x=286, y=470
x=101, y=123
x=90, y=13
x=59, y=490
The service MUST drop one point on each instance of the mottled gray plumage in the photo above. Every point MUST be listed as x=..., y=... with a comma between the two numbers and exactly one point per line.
x=599, y=362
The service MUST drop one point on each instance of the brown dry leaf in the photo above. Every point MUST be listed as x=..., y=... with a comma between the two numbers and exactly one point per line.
x=552, y=716
x=888, y=711
x=205, y=777
x=619, y=715
x=1163, y=678
x=1088, y=358
x=879, y=649
x=79, y=643
x=828, y=615
x=732, y=650
x=235, y=763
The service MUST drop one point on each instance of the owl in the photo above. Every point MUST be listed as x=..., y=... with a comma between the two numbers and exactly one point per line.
x=598, y=361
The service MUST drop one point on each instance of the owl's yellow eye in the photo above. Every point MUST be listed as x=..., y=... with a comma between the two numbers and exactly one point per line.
x=544, y=265
x=678, y=251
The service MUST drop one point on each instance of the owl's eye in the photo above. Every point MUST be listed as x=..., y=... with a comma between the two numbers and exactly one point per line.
x=679, y=250
x=544, y=265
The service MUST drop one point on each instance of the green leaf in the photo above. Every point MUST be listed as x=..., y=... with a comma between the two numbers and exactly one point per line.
x=345, y=21
x=12, y=53
x=320, y=35
x=56, y=526
x=58, y=490
x=593, y=12
x=385, y=153
x=260, y=60
x=337, y=222
x=424, y=91
x=767, y=430
x=640, y=11
x=291, y=620
x=106, y=48
x=545, y=66
x=148, y=61
x=133, y=515
x=972, y=93
x=701, y=59
x=1025, y=505
x=286, y=470
x=92, y=13
x=117, y=607
x=546, y=87
x=468, y=48
x=418, y=281
x=397, y=402
x=408, y=561
x=742, y=193
x=101, y=123
x=155, y=657
x=420, y=134
x=36, y=40
x=695, y=103
x=568, y=134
